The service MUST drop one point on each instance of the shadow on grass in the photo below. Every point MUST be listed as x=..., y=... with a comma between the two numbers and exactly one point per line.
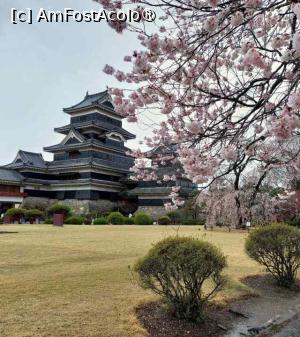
x=2, y=232
x=265, y=285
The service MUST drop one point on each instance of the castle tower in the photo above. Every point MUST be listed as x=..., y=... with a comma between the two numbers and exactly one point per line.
x=90, y=163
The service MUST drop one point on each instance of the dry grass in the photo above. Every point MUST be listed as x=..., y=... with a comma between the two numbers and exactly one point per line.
x=75, y=282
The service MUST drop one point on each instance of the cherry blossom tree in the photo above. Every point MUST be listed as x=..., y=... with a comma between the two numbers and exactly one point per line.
x=223, y=76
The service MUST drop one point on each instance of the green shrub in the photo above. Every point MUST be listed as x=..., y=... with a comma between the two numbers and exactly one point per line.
x=277, y=247
x=164, y=221
x=177, y=269
x=184, y=217
x=16, y=212
x=193, y=222
x=74, y=220
x=34, y=213
x=48, y=221
x=115, y=218
x=128, y=221
x=143, y=219
x=59, y=209
x=294, y=222
x=175, y=216
x=100, y=221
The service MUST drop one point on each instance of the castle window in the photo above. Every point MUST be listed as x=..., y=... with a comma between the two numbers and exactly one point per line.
x=74, y=155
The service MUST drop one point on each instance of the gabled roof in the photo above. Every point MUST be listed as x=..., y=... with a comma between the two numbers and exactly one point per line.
x=25, y=158
x=100, y=99
x=73, y=136
x=8, y=175
x=102, y=163
x=95, y=124
x=163, y=150
x=88, y=142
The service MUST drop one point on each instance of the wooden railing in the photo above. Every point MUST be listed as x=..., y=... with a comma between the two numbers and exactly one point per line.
x=12, y=194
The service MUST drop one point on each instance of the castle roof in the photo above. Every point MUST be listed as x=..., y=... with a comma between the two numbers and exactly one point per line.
x=96, y=162
x=28, y=159
x=101, y=100
x=10, y=176
x=86, y=143
x=95, y=124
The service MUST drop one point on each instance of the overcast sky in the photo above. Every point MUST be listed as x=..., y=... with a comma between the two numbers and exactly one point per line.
x=47, y=66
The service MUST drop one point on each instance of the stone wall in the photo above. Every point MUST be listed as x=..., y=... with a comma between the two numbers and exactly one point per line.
x=155, y=211
x=40, y=203
x=77, y=206
x=88, y=206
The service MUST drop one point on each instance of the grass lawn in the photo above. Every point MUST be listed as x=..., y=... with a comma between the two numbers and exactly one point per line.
x=75, y=281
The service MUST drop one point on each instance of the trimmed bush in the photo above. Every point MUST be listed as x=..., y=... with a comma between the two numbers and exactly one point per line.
x=193, y=222
x=186, y=218
x=164, y=221
x=100, y=221
x=115, y=218
x=74, y=220
x=59, y=209
x=33, y=214
x=48, y=221
x=277, y=247
x=175, y=216
x=177, y=268
x=128, y=221
x=143, y=219
x=16, y=212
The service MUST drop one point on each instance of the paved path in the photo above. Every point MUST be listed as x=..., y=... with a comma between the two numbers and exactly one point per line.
x=291, y=330
x=276, y=304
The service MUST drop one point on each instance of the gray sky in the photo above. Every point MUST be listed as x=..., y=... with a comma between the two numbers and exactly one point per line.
x=47, y=66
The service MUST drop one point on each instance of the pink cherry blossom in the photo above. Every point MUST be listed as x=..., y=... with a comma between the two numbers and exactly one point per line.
x=296, y=42
x=108, y=70
x=294, y=101
x=211, y=24
x=296, y=10
x=254, y=58
x=218, y=79
x=237, y=19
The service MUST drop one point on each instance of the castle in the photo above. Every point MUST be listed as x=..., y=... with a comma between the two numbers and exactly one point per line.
x=90, y=170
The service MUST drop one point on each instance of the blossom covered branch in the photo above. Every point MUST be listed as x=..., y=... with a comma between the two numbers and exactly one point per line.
x=224, y=76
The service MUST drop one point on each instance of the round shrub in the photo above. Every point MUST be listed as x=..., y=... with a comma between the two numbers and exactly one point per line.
x=128, y=221
x=16, y=212
x=177, y=268
x=175, y=216
x=100, y=221
x=59, y=209
x=115, y=218
x=33, y=213
x=143, y=219
x=164, y=221
x=48, y=221
x=74, y=220
x=277, y=247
